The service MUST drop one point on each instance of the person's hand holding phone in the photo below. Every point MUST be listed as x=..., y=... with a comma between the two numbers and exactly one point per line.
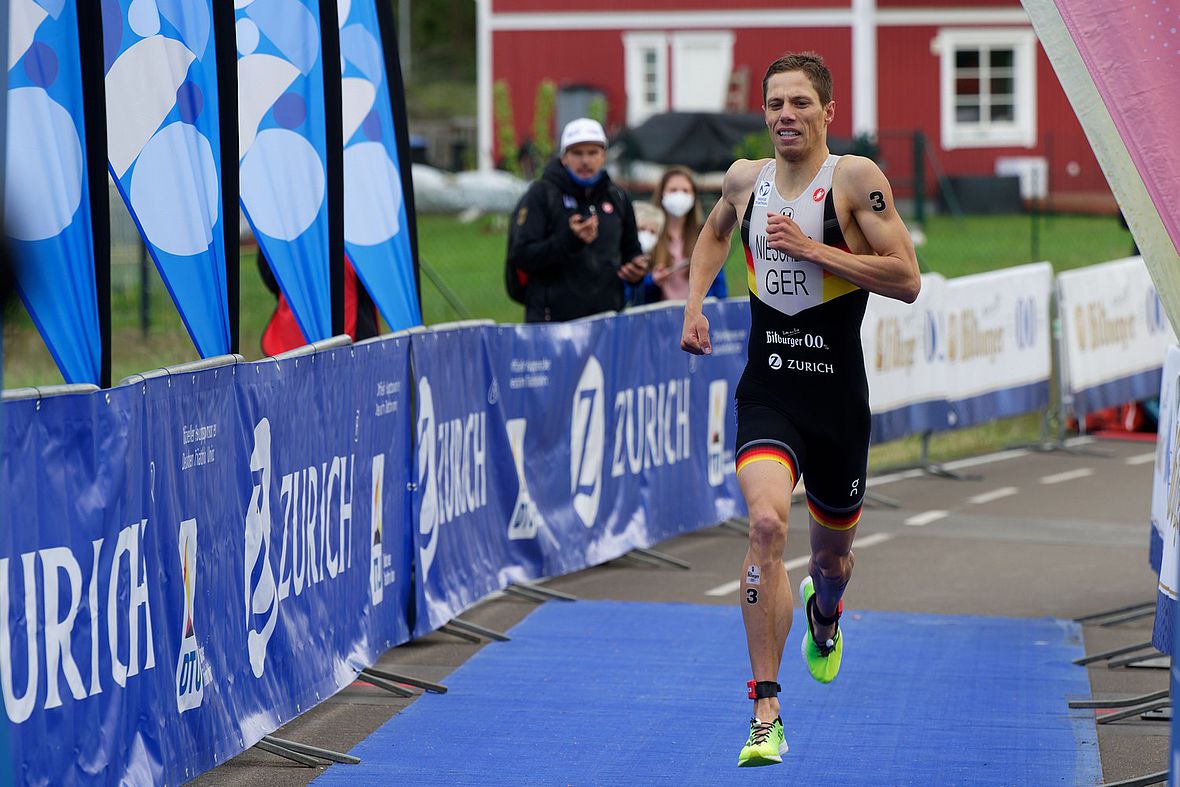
x=585, y=227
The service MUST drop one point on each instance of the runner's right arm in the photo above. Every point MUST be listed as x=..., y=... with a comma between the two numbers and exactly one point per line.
x=711, y=250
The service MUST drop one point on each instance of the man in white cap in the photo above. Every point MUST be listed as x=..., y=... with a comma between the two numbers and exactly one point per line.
x=573, y=240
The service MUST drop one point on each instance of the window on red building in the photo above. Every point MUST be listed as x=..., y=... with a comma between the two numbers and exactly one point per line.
x=988, y=88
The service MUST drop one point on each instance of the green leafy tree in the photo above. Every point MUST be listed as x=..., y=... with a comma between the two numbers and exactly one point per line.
x=597, y=110
x=543, y=122
x=505, y=127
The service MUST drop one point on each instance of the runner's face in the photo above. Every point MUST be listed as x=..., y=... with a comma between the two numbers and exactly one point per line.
x=798, y=123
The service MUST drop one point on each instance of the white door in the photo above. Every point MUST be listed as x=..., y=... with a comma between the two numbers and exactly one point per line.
x=647, y=75
x=701, y=63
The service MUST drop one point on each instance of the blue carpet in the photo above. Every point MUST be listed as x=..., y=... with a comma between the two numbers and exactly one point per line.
x=631, y=693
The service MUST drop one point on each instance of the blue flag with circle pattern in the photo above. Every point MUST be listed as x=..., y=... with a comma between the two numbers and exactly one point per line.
x=164, y=150
x=282, y=148
x=47, y=203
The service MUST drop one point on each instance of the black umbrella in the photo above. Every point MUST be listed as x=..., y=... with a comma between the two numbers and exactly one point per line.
x=703, y=141
x=708, y=141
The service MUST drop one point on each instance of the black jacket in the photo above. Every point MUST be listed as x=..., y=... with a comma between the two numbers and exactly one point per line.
x=567, y=278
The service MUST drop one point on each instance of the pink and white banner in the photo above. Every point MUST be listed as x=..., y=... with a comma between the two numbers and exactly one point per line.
x=1119, y=63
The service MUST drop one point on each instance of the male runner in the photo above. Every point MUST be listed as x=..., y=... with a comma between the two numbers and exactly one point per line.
x=820, y=233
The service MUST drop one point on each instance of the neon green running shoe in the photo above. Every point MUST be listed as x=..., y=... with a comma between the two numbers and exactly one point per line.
x=823, y=661
x=765, y=746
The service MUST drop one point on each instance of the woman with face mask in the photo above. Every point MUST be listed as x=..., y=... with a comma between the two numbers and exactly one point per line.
x=676, y=196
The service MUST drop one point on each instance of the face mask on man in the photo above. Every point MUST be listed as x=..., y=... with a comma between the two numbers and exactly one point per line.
x=647, y=240
x=677, y=203
x=590, y=181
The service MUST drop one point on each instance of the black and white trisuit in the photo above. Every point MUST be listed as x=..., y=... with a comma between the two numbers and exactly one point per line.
x=803, y=400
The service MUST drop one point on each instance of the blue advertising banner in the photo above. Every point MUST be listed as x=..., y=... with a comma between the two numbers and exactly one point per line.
x=619, y=439
x=76, y=587
x=465, y=482
x=311, y=535
x=164, y=148
x=46, y=202
x=729, y=330
x=654, y=469
x=213, y=554
x=376, y=227
x=282, y=149
x=551, y=380
x=382, y=417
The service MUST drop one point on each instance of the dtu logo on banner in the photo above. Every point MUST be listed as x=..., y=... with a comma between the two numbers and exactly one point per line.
x=452, y=469
x=526, y=519
x=314, y=546
x=718, y=398
x=380, y=571
x=190, y=680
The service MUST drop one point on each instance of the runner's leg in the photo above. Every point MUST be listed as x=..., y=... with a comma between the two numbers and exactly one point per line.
x=765, y=589
x=830, y=568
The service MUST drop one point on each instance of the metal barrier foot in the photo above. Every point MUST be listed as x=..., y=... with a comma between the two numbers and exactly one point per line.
x=660, y=557
x=454, y=631
x=1159, y=661
x=939, y=471
x=311, y=751
x=1128, y=617
x=1125, y=702
x=383, y=683
x=641, y=559
x=1118, y=611
x=425, y=685
x=535, y=592
x=1131, y=661
x=286, y=754
x=1110, y=654
x=479, y=631
x=1134, y=710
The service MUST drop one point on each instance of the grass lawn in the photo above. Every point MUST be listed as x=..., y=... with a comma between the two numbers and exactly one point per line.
x=469, y=257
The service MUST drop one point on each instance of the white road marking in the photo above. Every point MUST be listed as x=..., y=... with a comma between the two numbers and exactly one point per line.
x=1068, y=475
x=925, y=518
x=1140, y=459
x=995, y=494
x=871, y=540
x=798, y=562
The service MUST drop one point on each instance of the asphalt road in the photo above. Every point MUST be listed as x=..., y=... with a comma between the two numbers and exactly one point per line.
x=1029, y=534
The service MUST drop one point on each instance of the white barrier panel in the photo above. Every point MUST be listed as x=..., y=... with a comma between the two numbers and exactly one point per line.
x=1165, y=499
x=997, y=343
x=1114, y=332
x=1167, y=445
x=904, y=361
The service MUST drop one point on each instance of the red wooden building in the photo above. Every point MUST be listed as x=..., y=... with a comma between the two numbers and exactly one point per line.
x=970, y=74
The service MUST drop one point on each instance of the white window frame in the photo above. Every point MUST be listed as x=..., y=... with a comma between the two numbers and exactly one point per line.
x=635, y=46
x=1022, y=131
x=684, y=42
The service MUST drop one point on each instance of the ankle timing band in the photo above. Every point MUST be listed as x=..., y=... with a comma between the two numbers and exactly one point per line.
x=820, y=617
x=763, y=689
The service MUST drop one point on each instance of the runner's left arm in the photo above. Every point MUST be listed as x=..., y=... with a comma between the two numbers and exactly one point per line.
x=892, y=269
